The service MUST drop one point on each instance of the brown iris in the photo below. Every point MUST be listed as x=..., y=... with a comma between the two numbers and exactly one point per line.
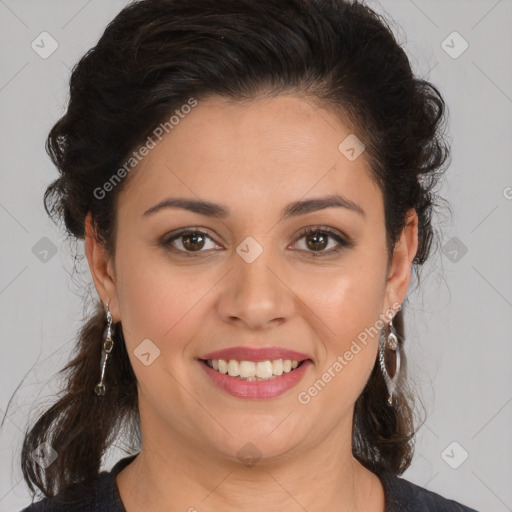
x=319, y=240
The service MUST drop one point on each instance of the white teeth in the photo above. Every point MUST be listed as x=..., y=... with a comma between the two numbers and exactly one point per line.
x=277, y=367
x=223, y=365
x=250, y=370
x=264, y=369
x=247, y=369
x=233, y=368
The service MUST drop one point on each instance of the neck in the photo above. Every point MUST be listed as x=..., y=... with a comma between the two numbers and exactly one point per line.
x=182, y=475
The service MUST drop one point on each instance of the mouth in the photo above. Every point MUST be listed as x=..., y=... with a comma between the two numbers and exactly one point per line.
x=253, y=371
x=256, y=380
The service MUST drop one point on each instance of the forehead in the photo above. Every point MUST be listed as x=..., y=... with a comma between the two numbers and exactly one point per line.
x=267, y=151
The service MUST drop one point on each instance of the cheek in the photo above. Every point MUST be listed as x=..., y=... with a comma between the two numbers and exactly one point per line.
x=346, y=302
x=158, y=300
x=158, y=307
x=348, y=330
x=347, y=325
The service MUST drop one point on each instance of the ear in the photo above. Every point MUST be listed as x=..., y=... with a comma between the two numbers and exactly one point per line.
x=102, y=269
x=399, y=276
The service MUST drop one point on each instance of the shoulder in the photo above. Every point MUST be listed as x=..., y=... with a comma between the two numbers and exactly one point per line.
x=98, y=495
x=402, y=495
x=78, y=497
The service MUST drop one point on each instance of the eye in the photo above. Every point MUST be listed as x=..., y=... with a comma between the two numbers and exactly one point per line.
x=188, y=240
x=316, y=239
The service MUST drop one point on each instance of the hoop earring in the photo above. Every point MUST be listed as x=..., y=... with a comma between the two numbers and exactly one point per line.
x=389, y=357
x=108, y=345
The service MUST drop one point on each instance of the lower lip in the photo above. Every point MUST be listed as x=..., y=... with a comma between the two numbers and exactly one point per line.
x=256, y=390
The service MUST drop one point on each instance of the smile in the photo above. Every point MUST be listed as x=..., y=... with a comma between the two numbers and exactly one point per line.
x=253, y=370
x=255, y=380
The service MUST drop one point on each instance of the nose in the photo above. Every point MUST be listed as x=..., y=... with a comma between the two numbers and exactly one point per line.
x=256, y=294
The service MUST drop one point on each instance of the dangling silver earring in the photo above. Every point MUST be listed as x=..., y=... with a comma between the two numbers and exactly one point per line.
x=108, y=345
x=389, y=357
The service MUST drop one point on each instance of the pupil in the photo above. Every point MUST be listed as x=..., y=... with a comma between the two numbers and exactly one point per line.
x=317, y=244
x=192, y=240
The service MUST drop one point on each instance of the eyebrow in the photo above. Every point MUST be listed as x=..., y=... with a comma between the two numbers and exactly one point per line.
x=294, y=209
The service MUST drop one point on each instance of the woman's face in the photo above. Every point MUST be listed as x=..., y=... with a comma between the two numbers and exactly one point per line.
x=252, y=278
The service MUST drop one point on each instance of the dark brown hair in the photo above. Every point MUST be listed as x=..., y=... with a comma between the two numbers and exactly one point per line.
x=153, y=57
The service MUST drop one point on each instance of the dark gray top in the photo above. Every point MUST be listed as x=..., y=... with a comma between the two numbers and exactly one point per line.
x=102, y=495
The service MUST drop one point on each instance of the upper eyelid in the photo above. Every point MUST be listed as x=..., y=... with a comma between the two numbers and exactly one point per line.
x=330, y=231
x=184, y=231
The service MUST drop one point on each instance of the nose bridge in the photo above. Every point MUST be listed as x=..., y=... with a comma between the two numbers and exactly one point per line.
x=255, y=295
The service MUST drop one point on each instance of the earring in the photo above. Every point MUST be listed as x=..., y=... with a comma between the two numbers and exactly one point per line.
x=389, y=357
x=108, y=345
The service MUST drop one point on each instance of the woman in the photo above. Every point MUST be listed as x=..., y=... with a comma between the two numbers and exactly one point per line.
x=254, y=183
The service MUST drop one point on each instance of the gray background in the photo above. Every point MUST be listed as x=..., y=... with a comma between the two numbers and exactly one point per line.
x=458, y=325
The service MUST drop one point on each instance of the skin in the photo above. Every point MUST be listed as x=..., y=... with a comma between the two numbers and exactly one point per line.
x=254, y=159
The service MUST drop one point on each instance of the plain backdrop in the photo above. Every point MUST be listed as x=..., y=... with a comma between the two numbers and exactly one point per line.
x=457, y=325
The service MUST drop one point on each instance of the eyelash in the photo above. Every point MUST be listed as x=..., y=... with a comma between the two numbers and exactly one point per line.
x=166, y=242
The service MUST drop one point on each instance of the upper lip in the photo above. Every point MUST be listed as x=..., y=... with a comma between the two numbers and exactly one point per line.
x=256, y=354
